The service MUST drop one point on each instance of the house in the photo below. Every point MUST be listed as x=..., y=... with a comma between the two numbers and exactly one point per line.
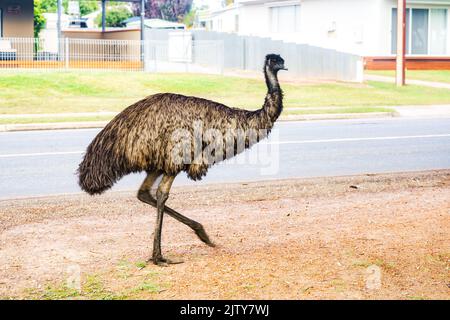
x=18, y=48
x=17, y=21
x=275, y=19
x=16, y=18
x=366, y=28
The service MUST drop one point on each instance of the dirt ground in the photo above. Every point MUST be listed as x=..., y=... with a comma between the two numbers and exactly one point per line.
x=360, y=237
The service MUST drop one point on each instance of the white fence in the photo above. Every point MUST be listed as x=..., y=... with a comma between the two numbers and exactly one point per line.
x=132, y=55
x=34, y=53
x=169, y=51
x=304, y=61
x=193, y=56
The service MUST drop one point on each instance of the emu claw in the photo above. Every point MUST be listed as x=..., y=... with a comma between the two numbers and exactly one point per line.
x=211, y=244
x=201, y=233
x=163, y=262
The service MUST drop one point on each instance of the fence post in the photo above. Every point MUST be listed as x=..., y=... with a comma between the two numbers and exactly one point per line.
x=359, y=69
x=66, y=51
x=221, y=56
x=144, y=49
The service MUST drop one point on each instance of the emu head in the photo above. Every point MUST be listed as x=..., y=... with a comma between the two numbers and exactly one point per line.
x=274, y=63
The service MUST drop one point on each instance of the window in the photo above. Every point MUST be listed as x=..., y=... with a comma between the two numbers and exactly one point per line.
x=285, y=19
x=426, y=31
x=419, y=31
x=438, y=31
x=1, y=23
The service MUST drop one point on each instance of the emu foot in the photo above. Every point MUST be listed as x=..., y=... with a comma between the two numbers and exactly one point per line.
x=201, y=233
x=163, y=262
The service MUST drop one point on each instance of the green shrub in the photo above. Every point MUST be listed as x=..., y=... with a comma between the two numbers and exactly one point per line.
x=114, y=17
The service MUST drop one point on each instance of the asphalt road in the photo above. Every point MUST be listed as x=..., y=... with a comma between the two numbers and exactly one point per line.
x=44, y=162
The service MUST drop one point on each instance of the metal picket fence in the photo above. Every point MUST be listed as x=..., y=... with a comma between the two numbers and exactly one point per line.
x=89, y=54
x=124, y=55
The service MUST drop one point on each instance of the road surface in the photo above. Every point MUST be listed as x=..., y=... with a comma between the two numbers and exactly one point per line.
x=36, y=163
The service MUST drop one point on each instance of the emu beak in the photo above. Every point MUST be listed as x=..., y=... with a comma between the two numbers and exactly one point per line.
x=286, y=69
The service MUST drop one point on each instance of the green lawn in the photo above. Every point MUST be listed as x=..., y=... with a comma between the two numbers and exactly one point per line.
x=55, y=92
x=426, y=75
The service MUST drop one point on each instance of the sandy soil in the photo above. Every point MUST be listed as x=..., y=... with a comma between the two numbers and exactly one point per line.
x=363, y=237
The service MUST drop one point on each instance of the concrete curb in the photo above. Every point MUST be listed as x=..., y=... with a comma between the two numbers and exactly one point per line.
x=52, y=126
x=101, y=124
x=59, y=115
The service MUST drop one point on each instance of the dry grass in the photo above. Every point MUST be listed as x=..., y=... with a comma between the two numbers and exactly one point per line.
x=290, y=239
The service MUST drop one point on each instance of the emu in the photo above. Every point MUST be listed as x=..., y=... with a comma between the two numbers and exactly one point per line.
x=141, y=138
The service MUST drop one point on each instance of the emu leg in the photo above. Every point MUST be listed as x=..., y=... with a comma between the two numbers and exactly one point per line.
x=145, y=196
x=194, y=225
x=161, y=195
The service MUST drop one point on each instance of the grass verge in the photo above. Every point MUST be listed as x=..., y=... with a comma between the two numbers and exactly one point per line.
x=61, y=92
x=425, y=75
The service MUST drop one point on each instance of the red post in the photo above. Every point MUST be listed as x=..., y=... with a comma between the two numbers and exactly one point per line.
x=401, y=43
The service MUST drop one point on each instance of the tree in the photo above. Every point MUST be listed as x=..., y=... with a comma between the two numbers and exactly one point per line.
x=39, y=20
x=115, y=16
x=172, y=10
x=86, y=6
x=43, y=6
x=46, y=5
x=189, y=18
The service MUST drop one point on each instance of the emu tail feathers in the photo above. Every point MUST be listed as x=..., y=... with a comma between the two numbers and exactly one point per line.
x=98, y=171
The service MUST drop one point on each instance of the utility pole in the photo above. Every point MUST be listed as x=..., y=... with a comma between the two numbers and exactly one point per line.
x=401, y=43
x=58, y=27
x=103, y=15
x=143, y=34
x=142, y=19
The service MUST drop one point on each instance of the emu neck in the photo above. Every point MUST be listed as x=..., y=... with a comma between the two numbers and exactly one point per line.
x=271, y=80
x=273, y=104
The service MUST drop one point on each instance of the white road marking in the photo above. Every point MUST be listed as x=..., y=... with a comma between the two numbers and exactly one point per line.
x=39, y=154
x=362, y=139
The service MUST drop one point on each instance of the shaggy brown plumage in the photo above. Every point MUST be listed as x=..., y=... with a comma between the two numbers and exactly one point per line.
x=141, y=137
